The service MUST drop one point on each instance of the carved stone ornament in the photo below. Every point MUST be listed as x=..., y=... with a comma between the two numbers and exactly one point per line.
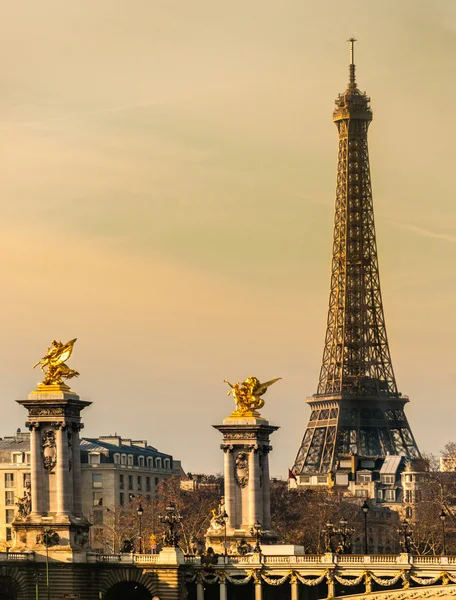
x=242, y=469
x=241, y=436
x=49, y=450
x=46, y=412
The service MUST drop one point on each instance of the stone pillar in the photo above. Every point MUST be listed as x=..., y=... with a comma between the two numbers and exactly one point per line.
x=36, y=483
x=230, y=491
x=76, y=470
x=222, y=588
x=254, y=486
x=62, y=470
x=266, y=489
x=294, y=587
x=258, y=590
x=199, y=587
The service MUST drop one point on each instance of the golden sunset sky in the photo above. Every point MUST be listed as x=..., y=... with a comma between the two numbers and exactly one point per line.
x=168, y=177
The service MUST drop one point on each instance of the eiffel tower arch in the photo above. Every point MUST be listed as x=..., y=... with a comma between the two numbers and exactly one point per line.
x=357, y=408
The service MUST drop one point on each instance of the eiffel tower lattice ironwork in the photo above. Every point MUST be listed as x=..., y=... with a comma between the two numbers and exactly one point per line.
x=357, y=408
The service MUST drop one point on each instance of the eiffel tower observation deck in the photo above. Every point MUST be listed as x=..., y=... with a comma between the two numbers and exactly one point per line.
x=357, y=408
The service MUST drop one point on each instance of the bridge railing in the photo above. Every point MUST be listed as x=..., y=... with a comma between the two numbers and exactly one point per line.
x=122, y=558
x=17, y=556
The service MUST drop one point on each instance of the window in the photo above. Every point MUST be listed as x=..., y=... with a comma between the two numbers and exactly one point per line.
x=9, y=498
x=9, y=534
x=380, y=494
x=390, y=495
x=157, y=481
x=97, y=498
x=117, y=458
x=150, y=461
x=97, y=480
x=121, y=499
x=361, y=493
x=130, y=460
x=388, y=478
x=27, y=457
x=322, y=479
x=167, y=463
x=18, y=457
x=26, y=481
x=9, y=515
x=147, y=484
x=9, y=480
x=139, y=481
x=97, y=517
x=130, y=482
x=123, y=459
x=94, y=458
x=141, y=461
x=158, y=462
x=304, y=479
x=121, y=481
x=364, y=477
x=408, y=496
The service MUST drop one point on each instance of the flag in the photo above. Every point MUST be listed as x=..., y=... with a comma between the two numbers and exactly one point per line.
x=291, y=475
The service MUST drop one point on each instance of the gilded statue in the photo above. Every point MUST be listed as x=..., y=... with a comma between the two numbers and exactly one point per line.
x=247, y=396
x=53, y=363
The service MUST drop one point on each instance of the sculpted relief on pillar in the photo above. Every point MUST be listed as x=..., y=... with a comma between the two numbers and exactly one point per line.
x=49, y=450
x=242, y=469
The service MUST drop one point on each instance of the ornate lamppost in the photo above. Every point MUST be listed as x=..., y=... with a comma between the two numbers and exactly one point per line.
x=328, y=532
x=140, y=512
x=405, y=536
x=224, y=516
x=49, y=538
x=345, y=533
x=258, y=532
x=442, y=518
x=171, y=520
x=365, y=509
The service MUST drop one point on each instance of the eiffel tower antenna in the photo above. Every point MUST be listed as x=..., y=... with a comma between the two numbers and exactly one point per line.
x=357, y=408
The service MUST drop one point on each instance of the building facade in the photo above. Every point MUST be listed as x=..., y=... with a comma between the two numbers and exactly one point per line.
x=114, y=471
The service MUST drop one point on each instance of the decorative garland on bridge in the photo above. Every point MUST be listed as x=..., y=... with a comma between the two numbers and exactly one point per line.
x=294, y=576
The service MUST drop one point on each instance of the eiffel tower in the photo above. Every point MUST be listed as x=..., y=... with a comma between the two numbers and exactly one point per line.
x=357, y=408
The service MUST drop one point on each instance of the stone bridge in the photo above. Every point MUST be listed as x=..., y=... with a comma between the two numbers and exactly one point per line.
x=172, y=576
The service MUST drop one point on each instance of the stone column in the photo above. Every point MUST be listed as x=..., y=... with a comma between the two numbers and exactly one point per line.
x=258, y=590
x=266, y=490
x=62, y=470
x=254, y=486
x=222, y=589
x=230, y=502
x=294, y=588
x=199, y=587
x=36, y=483
x=76, y=469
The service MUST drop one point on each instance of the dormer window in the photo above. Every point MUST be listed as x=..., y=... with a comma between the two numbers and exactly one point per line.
x=117, y=458
x=141, y=461
x=17, y=457
x=158, y=462
x=387, y=478
x=123, y=459
x=94, y=458
x=130, y=460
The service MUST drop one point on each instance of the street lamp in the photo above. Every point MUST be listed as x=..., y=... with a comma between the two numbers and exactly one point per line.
x=365, y=509
x=224, y=516
x=442, y=518
x=328, y=532
x=405, y=536
x=171, y=520
x=258, y=533
x=345, y=533
x=140, y=512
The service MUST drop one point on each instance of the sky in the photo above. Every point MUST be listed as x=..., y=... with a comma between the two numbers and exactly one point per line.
x=167, y=175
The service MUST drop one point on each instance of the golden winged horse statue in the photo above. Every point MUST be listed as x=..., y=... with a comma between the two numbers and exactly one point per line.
x=53, y=363
x=247, y=396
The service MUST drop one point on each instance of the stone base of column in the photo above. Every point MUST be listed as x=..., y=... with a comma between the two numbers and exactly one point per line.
x=216, y=540
x=70, y=543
